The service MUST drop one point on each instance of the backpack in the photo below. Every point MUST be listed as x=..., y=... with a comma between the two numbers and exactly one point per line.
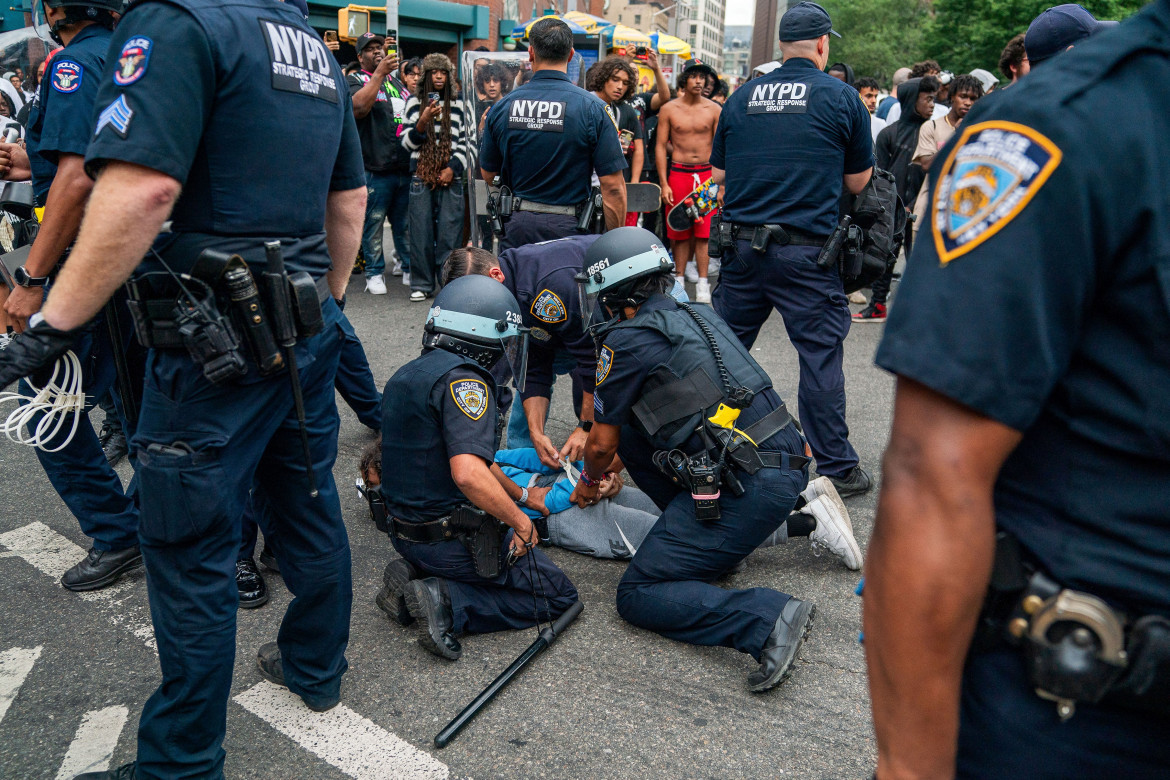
x=879, y=217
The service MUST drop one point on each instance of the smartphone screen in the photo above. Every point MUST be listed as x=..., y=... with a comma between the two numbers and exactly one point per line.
x=331, y=36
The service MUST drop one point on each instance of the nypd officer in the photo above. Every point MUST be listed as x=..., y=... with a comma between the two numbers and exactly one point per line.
x=59, y=131
x=1032, y=430
x=259, y=84
x=784, y=148
x=439, y=441
x=545, y=139
x=543, y=279
x=726, y=476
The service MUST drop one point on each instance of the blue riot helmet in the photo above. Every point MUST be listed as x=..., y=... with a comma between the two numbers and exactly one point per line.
x=479, y=318
x=614, y=268
x=100, y=11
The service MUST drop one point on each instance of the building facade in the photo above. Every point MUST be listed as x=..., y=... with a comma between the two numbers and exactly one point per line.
x=700, y=23
x=737, y=53
x=765, y=40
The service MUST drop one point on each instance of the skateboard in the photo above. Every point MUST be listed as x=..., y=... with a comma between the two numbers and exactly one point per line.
x=693, y=207
x=642, y=197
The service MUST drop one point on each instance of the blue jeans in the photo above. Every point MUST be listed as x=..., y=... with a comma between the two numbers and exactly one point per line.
x=387, y=196
x=436, y=227
x=216, y=442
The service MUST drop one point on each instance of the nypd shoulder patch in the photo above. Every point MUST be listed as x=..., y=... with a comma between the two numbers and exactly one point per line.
x=604, y=364
x=471, y=396
x=116, y=115
x=67, y=76
x=991, y=174
x=548, y=307
x=132, y=60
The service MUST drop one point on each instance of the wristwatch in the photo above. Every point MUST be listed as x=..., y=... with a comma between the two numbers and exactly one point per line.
x=585, y=425
x=523, y=497
x=21, y=277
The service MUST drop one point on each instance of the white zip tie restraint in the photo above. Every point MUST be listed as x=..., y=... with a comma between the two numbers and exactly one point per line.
x=57, y=401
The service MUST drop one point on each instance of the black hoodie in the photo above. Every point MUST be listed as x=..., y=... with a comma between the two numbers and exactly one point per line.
x=896, y=143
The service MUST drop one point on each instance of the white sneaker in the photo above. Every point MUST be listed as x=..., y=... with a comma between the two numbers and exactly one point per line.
x=396, y=269
x=406, y=278
x=5, y=339
x=418, y=295
x=713, y=266
x=702, y=291
x=823, y=487
x=856, y=297
x=376, y=285
x=834, y=532
x=692, y=272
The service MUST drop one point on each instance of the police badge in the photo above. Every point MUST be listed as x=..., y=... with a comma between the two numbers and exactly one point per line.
x=604, y=363
x=132, y=60
x=471, y=396
x=548, y=307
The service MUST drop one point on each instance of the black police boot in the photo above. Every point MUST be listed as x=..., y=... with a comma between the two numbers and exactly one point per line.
x=113, y=442
x=250, y=583
x=780, y=650
x=271, y=669
x=430, y=602
x=124, y=772
x=390, y=598
x=855, y=482
x=268, y=560
x=101, y=568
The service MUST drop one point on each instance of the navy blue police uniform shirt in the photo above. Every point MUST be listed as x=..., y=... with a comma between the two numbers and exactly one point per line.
x=625, y=361
x=542, y=276
x=786, y=140
x=1038, y=295
x=244, y=106
x=60, y=119
x=545, y=139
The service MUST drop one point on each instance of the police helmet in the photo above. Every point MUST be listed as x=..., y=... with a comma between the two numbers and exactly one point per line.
x=100, y=11
x=615, y=266
x=479, y=318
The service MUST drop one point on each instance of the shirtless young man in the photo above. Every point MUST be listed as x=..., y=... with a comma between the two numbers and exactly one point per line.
x=687, y=125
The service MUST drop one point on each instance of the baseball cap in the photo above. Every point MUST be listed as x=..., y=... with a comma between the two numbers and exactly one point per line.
x=369, y=39
x=1058, y=28
x=986, y=78
x=804, y=22
x=699, y=65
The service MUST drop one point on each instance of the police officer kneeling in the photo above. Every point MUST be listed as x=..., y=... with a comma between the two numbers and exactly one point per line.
x=444, y=493
x=694, y=418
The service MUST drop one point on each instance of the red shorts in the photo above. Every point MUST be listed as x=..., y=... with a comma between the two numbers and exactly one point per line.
x=632, y=218
x=683, y=180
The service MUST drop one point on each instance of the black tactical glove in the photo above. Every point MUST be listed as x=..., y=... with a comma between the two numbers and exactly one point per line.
x=34, y=350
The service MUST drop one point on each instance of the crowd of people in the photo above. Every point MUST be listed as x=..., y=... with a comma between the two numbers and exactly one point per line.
x=232, y=424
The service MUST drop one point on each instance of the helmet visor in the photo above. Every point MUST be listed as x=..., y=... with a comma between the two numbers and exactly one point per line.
x=604, y=275
x=41, y=24
x=510, y=336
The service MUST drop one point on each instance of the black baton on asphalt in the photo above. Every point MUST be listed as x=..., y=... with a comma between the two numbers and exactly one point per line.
x=546, y=638
x=285, y=330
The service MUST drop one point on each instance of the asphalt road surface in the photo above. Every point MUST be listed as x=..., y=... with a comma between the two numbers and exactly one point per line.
x=606, y=701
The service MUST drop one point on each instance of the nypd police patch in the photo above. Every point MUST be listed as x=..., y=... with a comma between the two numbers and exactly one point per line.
x=67, y=76
x=604, y=364
x=548, y=307
x=471, y=396
x=991, y=174
x=132, y=60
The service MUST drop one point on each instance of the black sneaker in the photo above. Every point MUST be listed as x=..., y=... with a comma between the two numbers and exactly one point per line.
x=429, y=602
x=101, y=568
x=268, y=560
x=875, y=312
x=783, y=643
x=855, y=482
x=251, y=585
x=390, y=598
x=114, y=445
x=124, y=772
x=271, y=669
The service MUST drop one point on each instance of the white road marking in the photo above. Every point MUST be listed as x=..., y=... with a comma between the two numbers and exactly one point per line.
x=353, y=744
x=15, y=664
x=93, y=746
x=53, y=554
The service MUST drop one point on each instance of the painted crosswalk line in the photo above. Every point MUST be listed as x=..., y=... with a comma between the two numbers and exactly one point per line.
x=15, y=664
x=93, y=745
x=52, y=554
x=341, y=737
